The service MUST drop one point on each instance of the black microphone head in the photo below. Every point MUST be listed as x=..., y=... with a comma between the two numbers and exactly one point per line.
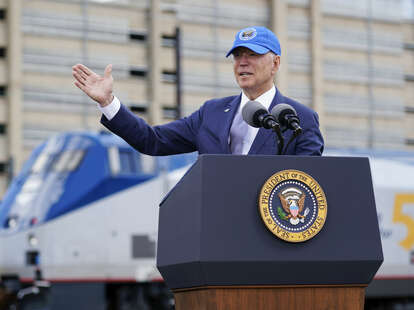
x=281, y=110
x=251, y=112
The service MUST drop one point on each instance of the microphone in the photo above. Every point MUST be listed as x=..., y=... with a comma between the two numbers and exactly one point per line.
x=287, y=117
x=256, y=115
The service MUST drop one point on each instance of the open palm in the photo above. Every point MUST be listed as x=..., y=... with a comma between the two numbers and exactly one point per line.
x=97, y=87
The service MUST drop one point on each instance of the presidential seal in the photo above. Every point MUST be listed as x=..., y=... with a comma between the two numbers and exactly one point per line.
x=293, y=205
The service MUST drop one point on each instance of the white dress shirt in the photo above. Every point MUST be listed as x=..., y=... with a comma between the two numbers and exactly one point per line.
x=249, y=136
x=111, y=109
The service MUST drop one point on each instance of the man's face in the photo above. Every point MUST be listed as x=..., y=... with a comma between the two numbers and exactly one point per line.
x=254, y=72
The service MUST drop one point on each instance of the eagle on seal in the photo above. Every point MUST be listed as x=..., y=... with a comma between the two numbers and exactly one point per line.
x=293, y=202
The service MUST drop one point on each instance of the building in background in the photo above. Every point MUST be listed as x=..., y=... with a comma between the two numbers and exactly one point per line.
x=352, y=61
x=408, y=65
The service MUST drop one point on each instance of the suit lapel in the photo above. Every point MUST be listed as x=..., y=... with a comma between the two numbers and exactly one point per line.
x=264, y=134
x=226, y=119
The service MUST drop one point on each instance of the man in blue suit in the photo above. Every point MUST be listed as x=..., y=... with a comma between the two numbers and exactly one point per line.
x=217, y=127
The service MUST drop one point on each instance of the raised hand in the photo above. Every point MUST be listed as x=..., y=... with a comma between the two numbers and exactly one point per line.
x=97, y=87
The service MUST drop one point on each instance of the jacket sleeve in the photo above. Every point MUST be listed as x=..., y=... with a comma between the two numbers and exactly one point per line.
x=310, y=142
x=176, y=137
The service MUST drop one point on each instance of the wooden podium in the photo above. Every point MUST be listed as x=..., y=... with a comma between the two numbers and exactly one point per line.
x=277, y=297
x=215, y=253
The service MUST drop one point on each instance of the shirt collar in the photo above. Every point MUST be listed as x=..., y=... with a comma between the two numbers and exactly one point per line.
x=265, y=99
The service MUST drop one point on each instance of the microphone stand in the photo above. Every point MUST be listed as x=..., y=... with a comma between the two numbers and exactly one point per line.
x=296, y=133
x=280, y=141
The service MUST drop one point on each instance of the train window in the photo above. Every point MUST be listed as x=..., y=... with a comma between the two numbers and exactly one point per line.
x=148, y=164
x=68, y=161
x=76, y=160
x=128, y=162
x=113, y=157
x=27, y=194
x=32, y=184
x=123, y=161
x=40, y=163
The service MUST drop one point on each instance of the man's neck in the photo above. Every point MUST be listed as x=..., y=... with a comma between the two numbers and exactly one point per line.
x=254, y=94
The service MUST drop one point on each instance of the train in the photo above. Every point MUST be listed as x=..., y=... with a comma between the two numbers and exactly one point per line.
x=78, y=225
x=82, y=215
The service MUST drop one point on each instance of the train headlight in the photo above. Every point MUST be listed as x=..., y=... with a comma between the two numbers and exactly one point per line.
x=11, y=222
x=32, y=240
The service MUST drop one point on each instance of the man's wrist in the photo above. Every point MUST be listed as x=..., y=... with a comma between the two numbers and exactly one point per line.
x=107, y=102
x=111, y=109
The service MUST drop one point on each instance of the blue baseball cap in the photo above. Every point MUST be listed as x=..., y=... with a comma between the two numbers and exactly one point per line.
x=258, y=39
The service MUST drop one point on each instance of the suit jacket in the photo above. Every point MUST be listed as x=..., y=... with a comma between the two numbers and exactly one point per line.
x=207, y=131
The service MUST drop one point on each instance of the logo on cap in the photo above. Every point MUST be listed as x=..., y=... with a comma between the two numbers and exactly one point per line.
x=247, y=34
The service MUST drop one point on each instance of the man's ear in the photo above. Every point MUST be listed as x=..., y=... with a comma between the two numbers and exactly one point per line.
x=276, y=63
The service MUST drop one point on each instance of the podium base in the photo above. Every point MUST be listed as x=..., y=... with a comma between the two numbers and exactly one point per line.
x=349, y=297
